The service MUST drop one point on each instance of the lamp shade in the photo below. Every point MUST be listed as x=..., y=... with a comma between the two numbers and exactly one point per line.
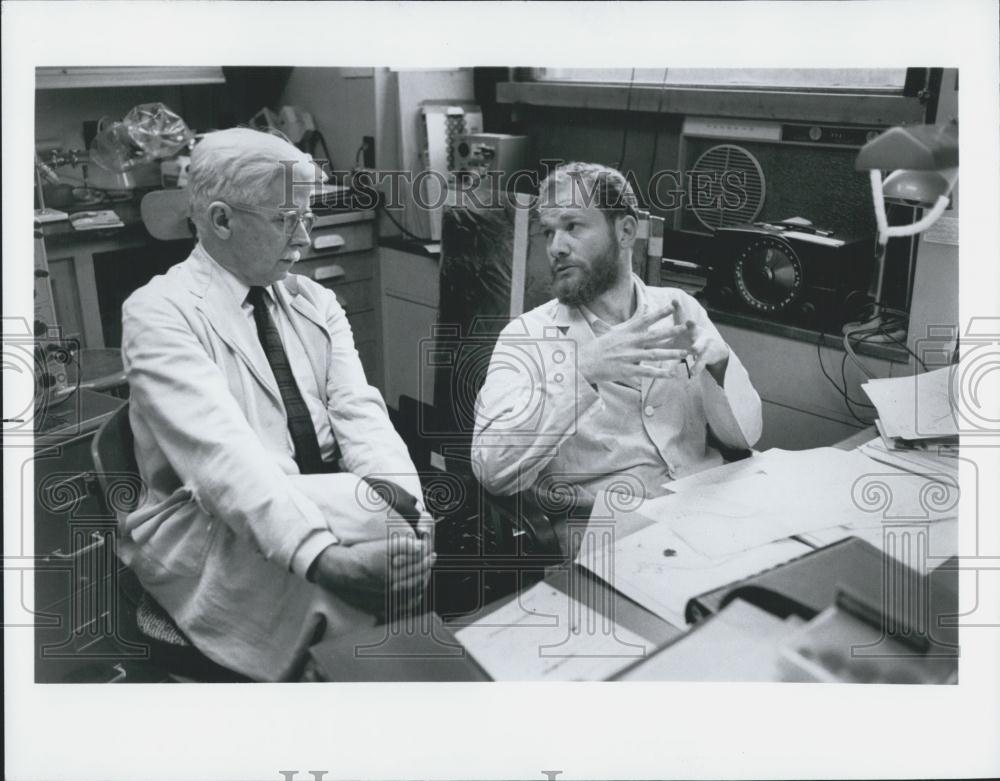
x=916, y=148
x=918, y=188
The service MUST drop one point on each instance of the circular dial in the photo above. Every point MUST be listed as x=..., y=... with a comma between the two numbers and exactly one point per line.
x=768, y=274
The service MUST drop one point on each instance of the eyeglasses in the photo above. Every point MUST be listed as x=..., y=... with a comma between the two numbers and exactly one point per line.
x=291, y=218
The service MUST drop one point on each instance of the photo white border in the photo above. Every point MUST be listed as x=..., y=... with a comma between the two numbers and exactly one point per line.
x=431, y=731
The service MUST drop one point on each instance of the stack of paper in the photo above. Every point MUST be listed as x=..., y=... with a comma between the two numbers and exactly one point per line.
x=918, y=430
x=919, y=458
x=917, y=408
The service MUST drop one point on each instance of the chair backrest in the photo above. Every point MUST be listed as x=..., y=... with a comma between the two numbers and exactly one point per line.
x=165, y=213
x=647, y=252
x=493, y=267
x=113, y=453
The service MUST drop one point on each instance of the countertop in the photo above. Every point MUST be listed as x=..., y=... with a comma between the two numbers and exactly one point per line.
x=63, y=233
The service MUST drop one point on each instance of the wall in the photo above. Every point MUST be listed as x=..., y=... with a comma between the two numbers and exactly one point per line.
x=350, y=103
x=342, y=103
x=640, y=142
x=935, y=279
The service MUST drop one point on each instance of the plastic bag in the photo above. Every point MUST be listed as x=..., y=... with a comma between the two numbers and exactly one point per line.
x=157, y=130
x=150, y=131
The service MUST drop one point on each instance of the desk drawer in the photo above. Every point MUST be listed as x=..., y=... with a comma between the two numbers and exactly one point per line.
x=354, y=296
x=368, y=353
x=362, y=326
x=337, y=270
x=340, y=239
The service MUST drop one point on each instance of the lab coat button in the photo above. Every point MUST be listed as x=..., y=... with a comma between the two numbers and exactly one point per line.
x=648, y=411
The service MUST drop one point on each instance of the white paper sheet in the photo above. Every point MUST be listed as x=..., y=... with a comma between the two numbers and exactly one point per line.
x=942, y=462
x=546, y=635
x=814, y=490
x=657, y=569
x=756, y=464
x=915, y=407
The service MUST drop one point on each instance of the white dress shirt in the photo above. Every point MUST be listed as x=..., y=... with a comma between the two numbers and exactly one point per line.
x=319, y=540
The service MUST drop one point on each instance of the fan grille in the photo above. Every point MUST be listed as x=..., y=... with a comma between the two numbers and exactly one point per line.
x=719, y=176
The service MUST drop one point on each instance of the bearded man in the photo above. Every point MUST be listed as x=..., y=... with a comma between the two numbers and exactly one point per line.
x=612, y=377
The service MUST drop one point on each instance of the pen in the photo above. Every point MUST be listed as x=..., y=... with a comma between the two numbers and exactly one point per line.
x=687, y=366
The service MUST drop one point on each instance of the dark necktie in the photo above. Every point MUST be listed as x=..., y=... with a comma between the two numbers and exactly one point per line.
x=307, y=454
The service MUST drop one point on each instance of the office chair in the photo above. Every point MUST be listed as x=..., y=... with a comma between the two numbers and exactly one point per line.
x=113, y=453
x=647, y=252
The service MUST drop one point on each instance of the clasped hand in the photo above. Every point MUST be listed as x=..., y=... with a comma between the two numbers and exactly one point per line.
x=624, y=353
x=373, y=575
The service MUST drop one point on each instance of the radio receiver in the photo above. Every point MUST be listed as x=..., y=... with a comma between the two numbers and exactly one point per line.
x=790, y=272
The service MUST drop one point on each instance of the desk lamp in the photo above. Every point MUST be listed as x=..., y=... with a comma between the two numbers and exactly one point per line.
x=923, y=160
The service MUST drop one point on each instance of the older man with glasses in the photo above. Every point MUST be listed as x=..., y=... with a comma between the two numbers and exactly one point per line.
x=256, y=432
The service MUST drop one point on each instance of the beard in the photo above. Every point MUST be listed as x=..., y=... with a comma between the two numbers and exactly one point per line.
x=588, y=283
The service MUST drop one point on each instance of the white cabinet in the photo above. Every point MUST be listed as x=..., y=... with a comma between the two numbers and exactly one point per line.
x=409, y=287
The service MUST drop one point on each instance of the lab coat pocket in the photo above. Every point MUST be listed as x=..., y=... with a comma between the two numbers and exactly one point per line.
x=174, y=542
x=672, y=406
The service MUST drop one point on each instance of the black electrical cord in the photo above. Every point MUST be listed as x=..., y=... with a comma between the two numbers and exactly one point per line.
x=628, y=107
x=893, y=339
x=656, y=136
x=842, y=391
x=885, y=329
x=843, y=381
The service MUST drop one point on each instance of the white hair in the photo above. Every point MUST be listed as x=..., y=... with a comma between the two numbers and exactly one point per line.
x=241, y=164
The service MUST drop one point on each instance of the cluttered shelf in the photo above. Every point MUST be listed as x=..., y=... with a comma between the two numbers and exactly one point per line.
x=124, y=221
